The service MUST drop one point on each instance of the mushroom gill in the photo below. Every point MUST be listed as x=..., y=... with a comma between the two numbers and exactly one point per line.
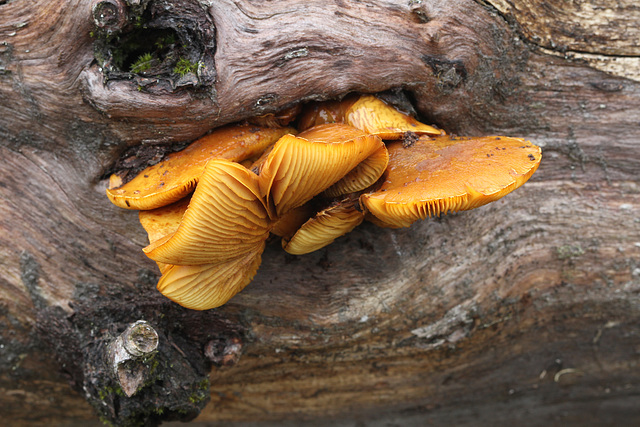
x=323, y=228
x=363, y=176
x=162, y=222
x=376, y=117
x=226, y=218
x=208, y=247
x=201, y=287
x=223, y=226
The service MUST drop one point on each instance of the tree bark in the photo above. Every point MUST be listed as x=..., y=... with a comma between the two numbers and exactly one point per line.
x=525, y=310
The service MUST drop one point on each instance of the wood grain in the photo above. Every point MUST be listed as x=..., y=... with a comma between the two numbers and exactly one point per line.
x=602, y=34
x=526, y=306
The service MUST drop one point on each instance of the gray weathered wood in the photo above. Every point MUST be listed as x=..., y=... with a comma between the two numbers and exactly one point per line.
x=526, y=310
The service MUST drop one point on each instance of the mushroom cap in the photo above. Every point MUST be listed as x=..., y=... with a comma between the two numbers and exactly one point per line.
x=376, y=117
x=298, y=168
x=362, y=176
x=437, y=175
x=201, y=287
x=367, y=113
x=177, y=176
x=322, y=229
x=226, y=218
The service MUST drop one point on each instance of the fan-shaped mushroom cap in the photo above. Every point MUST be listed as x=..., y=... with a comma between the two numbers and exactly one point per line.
x=175, y=177
x=201, y=287
x=442, y=174
x=362, y=176
x=298, y=168
x=376, y=117
x=326, y=226
x=225, y=219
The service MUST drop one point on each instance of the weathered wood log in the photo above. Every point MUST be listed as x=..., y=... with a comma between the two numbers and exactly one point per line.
x=524, y=308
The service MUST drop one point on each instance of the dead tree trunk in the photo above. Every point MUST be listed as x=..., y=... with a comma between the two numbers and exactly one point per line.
x=526, y=310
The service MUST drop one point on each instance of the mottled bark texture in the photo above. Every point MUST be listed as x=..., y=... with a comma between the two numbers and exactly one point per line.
x=524, y=311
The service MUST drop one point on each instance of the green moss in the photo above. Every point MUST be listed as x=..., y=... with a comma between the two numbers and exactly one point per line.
x=154, y=366
x=108, y=391
x=201, y=393
x=143, y=63
x=197, y=397
x=104, y=420
x=184, y=66
x=138, y=51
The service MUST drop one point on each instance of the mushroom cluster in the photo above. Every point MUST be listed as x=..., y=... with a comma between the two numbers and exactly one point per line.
x=209, y=209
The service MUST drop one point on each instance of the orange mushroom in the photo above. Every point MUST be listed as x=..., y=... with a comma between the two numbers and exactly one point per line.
x=320, y=113
x=376, y=117
x=298, y=168
x=447, y=174
x=209, y=251
x=278, y=119
x=162, y=222
x=226, y=218
x=227, y=221
x=177, y=176
x=323, y=228
x=201, y=287
x=367, y=113
x=363, y=176
x=310, y=189
x=288, y=223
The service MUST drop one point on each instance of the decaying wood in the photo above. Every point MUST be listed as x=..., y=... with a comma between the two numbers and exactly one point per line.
x=526, y=310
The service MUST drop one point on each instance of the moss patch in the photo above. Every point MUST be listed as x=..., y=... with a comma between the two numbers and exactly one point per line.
x=184, y=66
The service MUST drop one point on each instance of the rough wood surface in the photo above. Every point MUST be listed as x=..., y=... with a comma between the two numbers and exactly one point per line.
x=526, y=309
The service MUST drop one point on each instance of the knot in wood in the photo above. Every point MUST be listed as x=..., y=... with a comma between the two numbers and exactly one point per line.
x=224, y=352
x=128, y=353
x=110, y=15
x=140, y=339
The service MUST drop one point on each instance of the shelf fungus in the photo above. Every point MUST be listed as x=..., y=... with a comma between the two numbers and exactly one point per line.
x=209, y=209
